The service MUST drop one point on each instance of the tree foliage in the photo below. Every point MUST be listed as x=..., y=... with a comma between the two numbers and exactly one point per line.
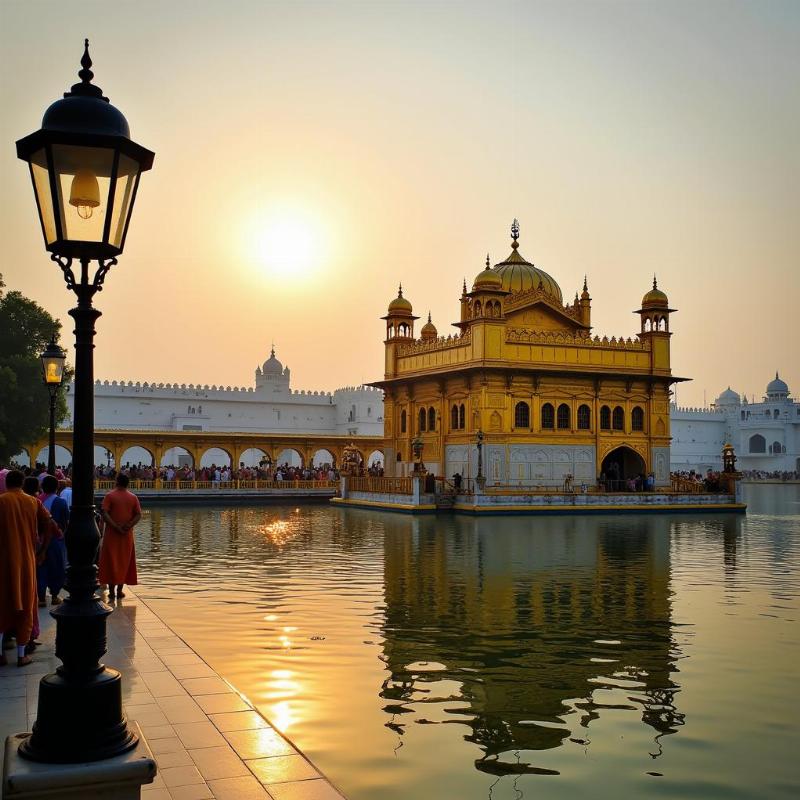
x=25, y=330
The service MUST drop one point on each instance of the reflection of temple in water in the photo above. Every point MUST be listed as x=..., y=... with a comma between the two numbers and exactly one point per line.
x=529, y=624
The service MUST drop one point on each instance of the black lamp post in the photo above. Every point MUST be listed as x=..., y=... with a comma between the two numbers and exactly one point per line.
x=85, y=171
x=53, y=359
x=480, y=478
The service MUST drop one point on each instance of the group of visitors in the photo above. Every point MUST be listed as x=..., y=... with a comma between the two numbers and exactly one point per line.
x=612, y=482
x=223, y=474
x=35, y=511
x=775, y=475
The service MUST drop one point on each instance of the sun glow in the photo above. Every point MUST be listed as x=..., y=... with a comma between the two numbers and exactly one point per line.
x=288, y=243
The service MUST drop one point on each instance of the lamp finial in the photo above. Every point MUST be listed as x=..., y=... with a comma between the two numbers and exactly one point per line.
x=86, y=87
x=515, y=233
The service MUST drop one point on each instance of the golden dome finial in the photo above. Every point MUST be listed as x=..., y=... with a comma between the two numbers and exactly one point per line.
x=515, y=233
x=488, y=262
x=655, y=282
x=400, y=290
x=585, y=285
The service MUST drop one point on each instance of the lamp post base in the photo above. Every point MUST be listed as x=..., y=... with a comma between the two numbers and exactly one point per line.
x=118, y=778
x=91, y=709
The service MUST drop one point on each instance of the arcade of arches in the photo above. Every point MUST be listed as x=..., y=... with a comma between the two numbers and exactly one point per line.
x=201, y=448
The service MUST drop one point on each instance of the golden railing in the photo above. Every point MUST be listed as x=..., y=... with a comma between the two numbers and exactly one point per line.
x=685, y=486
x=184, y=486
x=381, y=485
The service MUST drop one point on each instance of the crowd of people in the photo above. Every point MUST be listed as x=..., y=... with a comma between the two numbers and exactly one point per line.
x=35, y=510
x=775, y=475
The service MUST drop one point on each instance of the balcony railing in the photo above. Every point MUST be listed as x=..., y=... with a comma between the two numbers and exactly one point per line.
x=381, y=485
x=190, y=486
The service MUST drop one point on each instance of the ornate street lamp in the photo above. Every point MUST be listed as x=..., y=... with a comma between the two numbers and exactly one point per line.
x=53, y=359
x=85, y=171
x=480, y=479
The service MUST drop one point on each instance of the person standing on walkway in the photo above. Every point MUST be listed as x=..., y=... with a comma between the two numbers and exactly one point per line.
x=121, y=511
x=52, y=572
x=23, y=521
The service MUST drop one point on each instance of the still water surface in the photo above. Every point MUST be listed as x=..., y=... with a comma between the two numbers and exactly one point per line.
x=453, y=657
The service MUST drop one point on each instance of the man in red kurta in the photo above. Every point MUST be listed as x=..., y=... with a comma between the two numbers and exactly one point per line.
x=22, y=520
x=121, y=511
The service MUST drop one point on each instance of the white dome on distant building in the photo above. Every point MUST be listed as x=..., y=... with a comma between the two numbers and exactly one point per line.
x=272, y=366
x=777, y=389
x=729, y=398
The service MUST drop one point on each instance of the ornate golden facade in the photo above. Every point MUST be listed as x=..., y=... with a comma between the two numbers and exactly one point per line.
x=552, y=399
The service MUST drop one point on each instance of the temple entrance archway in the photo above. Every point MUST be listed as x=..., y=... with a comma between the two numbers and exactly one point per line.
x=103, y=457
x=619, y=465
x=375, y=457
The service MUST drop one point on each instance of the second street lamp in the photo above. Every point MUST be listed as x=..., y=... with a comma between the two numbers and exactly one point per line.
x=53, y=359
x=85, y=171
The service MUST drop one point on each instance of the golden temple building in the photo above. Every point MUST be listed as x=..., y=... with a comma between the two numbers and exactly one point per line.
x=553, y=401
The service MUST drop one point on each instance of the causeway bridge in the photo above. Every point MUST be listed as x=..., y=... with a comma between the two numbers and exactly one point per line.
x=196, y=443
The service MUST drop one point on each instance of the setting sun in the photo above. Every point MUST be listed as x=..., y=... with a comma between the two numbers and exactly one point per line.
x=288, y=242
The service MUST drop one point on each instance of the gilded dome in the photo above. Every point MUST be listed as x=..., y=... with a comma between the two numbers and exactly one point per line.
x=429, y=329
x=655, y=298
x=400, y=303
x=487, y=279
x=518, y=275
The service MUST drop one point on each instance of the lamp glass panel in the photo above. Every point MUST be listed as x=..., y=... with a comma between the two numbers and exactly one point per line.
x=83, y=180
x=53, y=369
x=41, y=185
x=127, y=173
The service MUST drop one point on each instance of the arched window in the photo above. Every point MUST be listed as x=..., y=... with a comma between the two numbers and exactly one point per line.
x=548, y=416
x=522, y=415
x=431, y=419
x=637, y=419
x=477, y=309
x=462, y=417
x=758, y=444
x=618, y=419
x=403, y=421
x=422, y=420
x=584, y=418
x=775, y=414
x=563, y=417
x=454, y=418
x=777, y=448
x=742, y=414
x=605, y=418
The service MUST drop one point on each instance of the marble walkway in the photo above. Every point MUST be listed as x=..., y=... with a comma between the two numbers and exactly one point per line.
x=207, y=740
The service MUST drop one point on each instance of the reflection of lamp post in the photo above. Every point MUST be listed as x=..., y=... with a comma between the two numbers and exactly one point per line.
x=480, y=479
x=85, y=171
x=53, y=359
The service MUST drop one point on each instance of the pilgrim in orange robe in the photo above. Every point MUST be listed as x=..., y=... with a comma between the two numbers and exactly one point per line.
x=22, y=520
x=118, y=554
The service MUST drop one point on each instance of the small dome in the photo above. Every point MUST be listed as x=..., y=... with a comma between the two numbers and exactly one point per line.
x=272, y=366
x=487, y=279
x=429, y=329
x=655, y=298
x=728, y=398
x=777, y=386
x=400, y=303
x=519, y=275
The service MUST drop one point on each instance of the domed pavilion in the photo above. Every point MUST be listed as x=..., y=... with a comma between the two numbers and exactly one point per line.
x=524, y=369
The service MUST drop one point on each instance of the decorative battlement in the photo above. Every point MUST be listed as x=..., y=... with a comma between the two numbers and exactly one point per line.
x=522, y=335
x=696, y=411
x=440, y=343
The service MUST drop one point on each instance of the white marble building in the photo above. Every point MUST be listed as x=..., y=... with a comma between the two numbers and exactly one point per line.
x=270, y=406
x=765, y=435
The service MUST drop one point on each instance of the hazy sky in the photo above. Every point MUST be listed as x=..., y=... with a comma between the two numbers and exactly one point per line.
x=310, y=155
